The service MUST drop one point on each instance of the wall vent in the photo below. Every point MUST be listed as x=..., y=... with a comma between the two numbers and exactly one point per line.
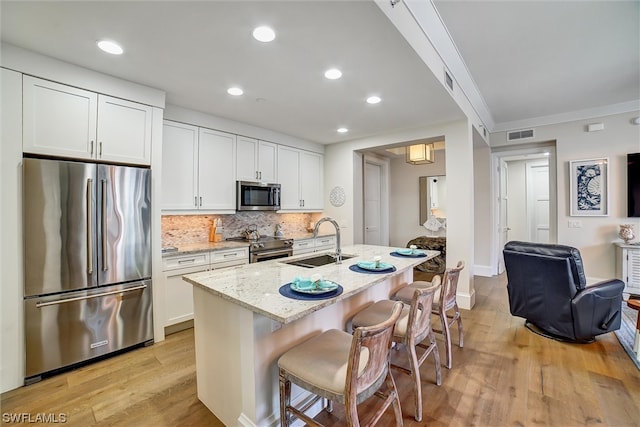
x=448, y=80
x=520, y=134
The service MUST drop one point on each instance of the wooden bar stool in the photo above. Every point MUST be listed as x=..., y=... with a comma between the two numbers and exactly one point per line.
x=413, y=327
x=347, y=368
x=443, y=302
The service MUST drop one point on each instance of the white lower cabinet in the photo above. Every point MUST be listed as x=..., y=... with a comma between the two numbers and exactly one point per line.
x=178, y=294
x=303, y=246
x=309, y=245
x=325, y=243
x=628, y=267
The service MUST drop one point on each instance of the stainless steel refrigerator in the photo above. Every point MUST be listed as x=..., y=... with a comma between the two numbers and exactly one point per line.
x=87, y=262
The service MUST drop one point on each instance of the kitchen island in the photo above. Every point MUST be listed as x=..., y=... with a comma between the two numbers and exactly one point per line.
x=243, y=324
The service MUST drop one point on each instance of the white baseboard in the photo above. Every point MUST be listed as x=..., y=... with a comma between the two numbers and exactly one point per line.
x=483, y=270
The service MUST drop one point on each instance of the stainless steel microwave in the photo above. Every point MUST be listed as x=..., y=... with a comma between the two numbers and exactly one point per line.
x=257, y=196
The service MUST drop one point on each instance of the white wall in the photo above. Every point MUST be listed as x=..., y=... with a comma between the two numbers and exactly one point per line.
x=619, y=137
x=404, y=198
x=482, y=212
x=11, y=272
x=342, y=168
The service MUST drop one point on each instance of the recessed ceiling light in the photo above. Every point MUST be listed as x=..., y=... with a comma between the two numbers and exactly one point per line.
x=342, y=130
x=110, y=47
x=333, y=74
x=235, y=91
x=373, y=99
x=264, y=34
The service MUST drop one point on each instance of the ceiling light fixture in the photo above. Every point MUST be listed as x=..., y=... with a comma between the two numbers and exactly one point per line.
x=420, y=154
x=342, y=130
x=235, y=91
x=333, y=74
x=264, y=34
x=373, y=99
x=110, y=47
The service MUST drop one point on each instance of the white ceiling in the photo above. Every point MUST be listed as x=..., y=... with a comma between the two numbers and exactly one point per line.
x=533, y=59
x=529, y=59
x=196, y=50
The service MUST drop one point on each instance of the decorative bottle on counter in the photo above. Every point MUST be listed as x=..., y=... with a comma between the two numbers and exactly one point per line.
x=212, y=232
x=626, y=233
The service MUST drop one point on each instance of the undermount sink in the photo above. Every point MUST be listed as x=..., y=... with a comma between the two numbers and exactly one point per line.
x=317, y=260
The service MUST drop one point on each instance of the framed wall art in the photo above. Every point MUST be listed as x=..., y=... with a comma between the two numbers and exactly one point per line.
x=589, y=187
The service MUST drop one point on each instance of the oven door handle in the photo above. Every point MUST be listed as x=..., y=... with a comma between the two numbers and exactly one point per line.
x=269, y=254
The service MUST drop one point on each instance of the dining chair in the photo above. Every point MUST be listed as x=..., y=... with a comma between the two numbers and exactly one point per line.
x=412, y=330
x=444, y=302
x=338, y=366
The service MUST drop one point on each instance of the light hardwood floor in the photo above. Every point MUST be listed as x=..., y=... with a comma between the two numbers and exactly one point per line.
x=504, y=376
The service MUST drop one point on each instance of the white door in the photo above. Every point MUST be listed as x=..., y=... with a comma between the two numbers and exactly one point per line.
x=372, y=203
x=538, y=201
x=311, y=181
x=503, y=204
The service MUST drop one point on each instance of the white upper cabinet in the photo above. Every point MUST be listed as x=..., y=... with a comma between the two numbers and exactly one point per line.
x=124, y=131
x=198, y=169
x=217, y=171
x=256, y=160
x=65, y=121
x=179, y=166
x=301, y=179
x=311, y=180
x=58, y=119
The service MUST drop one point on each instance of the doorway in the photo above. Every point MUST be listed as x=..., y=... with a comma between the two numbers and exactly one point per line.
x=526, y=209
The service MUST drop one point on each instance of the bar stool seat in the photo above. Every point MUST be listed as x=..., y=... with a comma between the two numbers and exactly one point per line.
x=341, y=367
x=412, y=328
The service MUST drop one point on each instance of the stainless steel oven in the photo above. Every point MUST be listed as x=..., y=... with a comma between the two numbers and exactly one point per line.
x=270, y=254
x=267, y=248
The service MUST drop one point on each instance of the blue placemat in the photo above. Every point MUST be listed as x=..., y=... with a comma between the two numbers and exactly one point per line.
x=396, y=254
x=286, y=291
x=357, y=269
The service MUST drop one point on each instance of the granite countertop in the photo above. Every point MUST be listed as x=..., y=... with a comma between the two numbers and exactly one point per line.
x=255, y=286
x=192, y=248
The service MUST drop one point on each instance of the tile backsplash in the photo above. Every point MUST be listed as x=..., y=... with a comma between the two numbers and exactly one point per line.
x=186, y=229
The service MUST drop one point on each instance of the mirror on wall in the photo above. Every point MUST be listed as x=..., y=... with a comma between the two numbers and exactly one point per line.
x=433, y=197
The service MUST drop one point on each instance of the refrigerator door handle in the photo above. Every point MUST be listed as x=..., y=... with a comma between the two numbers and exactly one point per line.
x=89, y=227
x=63, y=301
x=103, y=217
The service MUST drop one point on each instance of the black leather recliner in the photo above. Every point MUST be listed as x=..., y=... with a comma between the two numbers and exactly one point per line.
x=547, y=287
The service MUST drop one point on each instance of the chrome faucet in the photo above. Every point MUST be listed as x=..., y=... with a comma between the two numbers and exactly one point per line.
x=335, y=224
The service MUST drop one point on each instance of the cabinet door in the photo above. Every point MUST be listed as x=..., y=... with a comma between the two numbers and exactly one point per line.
x=267, y=161
x=302, y=246
x=246, y=165
x=216, y=170
x=179, y=166
x=633, y=271
x=58, y=120
x=124, y=131
x=311, y=180
x=289, y=178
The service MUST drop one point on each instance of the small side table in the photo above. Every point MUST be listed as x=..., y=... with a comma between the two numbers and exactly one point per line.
x=635, y=304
